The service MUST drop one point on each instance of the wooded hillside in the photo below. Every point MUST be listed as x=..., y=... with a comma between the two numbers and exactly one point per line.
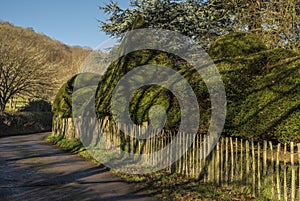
x=62, y=61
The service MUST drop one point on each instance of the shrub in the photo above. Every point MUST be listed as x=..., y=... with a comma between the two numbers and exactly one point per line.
x=62, y=104
x=25, y=122
x=236, y=44
x=263, y=104
x=37, y=106
x=147, y=96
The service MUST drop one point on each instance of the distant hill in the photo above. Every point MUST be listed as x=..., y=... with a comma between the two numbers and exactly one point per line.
x=67, y=59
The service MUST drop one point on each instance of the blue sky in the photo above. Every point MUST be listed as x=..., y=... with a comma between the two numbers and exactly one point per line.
x=73, y=22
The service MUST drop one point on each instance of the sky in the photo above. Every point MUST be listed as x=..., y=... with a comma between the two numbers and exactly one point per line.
x=73, y=22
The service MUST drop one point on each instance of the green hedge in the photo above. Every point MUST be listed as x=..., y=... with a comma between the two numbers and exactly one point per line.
x=62, y=104
x=262, y=88
x=39, y=105
x=236, y=44
x=145, y=97
x=262, y=94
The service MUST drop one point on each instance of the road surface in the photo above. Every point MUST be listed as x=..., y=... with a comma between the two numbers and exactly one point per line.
x=31, y=169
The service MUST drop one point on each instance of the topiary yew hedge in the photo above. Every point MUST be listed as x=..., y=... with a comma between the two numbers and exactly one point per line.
x=262, y=88
x=236, y=44
x=146, y=97
x=62, y=104
x=262, y=94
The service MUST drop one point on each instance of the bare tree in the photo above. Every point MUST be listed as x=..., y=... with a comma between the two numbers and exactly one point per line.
x=24, y=71
x=277, y=22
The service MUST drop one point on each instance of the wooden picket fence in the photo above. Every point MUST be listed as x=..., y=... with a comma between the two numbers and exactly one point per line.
x=258, y=168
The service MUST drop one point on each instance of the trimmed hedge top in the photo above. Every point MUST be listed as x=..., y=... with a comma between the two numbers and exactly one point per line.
x=236, y=44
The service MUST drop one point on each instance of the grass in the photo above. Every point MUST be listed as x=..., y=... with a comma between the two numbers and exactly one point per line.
x=73, y=145
x=162, y=184
x=167, y=186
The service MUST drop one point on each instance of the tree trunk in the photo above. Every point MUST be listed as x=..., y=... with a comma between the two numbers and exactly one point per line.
x=2, y=107
x=3, y=103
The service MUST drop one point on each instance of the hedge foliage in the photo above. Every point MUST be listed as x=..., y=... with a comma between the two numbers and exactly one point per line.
x=39, y=105
x=236, y=44
x=79, y=86
x=62, y=104
x=262, y=88
x=262, y=94
x=145, y=97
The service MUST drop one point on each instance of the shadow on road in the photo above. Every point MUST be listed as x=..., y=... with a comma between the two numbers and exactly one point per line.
x=34, y=170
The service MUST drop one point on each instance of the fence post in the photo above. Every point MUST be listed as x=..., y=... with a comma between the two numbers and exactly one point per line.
x=208, y=162
x=193, y=161
x=236, y=160
x=179, y=152
x=232, y=160
x=284, y=174
x=253, y=168
x=265, y=157
x=186, y=135
x=191, y=155
x=258, y=169
x=226, y=160
x=241, y=161
x=293, y=172
x=200, y=145
x=217, y=172
x=221, y=161
x=298, y=149
x=197, y=155
x=204, y=157
x=277, y=172
x=247, y=161
x=272, y=167
x=213, y=164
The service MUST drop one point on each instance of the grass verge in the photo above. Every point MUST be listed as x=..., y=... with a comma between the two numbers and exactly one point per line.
x=162, y=184
x=73, y=145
